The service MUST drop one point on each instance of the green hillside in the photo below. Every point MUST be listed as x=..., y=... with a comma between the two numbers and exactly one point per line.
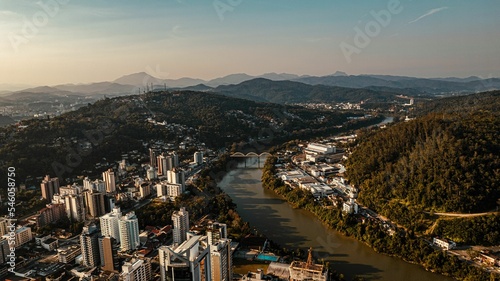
x=446, y=160
x=287, y=92
x=115, y=126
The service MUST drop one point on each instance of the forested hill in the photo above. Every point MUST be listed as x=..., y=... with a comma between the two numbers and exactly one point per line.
x=446, y=160
x=103, y=131
x=487, y=101
x=287, y=92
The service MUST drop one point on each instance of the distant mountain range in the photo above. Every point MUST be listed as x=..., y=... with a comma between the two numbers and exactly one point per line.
x=296, y=89
x=286, y=92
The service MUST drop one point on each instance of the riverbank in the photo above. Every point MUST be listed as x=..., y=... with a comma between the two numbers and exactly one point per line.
x=295, y=228
x=401, y=244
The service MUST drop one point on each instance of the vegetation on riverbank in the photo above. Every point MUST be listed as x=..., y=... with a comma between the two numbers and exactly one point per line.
x=403, y=244
x=483, y=230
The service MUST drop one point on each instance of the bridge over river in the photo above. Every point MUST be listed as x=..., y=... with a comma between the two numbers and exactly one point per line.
x=251, y=159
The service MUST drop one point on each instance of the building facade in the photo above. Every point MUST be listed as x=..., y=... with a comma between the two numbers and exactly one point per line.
x=49, y=187
x=129, y=232
x=108, y=249
x=109, y=224
x=95, y=203
x=136, y=270
x=109, y=180
x=181, y=225
x=89, y=243
x=189, y=261
x=221, y=260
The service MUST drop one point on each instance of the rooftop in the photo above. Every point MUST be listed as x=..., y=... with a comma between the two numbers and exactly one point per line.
x=188, y=244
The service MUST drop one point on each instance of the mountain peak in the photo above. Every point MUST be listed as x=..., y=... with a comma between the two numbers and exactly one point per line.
x=339, y=73
x=139, y=78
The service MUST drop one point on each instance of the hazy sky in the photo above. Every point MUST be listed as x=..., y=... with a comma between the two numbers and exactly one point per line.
x=70, y=41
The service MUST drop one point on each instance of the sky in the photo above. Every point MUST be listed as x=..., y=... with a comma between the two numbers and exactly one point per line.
x=50, y=42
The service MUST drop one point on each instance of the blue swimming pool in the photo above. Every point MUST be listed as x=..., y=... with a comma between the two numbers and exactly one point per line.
x=264, y=257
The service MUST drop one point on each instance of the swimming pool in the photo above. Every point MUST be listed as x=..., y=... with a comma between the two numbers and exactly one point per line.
x=264, y=257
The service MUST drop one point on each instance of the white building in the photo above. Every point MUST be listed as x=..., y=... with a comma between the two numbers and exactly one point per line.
x=129, y=232
x=136, y=270
x=215, y=232
x=176, y=176
x=151, y=173
x=290, y=175
x=74, y=189
x=109, y=180
x=144, y=190
x=75, y=207
x=97, y=185
x=165, y=163
x=49, y=187
x=109, y=224
x=181, y=225
x=444, y=244
x=23, y=235
x=350, y=207
x=171, y=190
x=198, y=158
x=174, y=190
x=317, y=189
x=321, y=148
x=187, y=261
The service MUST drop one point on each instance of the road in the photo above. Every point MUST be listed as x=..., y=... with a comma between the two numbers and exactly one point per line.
x=463, y=215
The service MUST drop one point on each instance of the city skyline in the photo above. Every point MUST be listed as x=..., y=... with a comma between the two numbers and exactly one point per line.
x=61, y=41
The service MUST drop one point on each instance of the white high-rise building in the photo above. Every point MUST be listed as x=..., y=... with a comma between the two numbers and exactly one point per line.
x=109, y=224
x=97, y=185
x=181, y=225
x=75, y=208
x=49, y=187
x=187, y=261
x=109, y=180
x=74, y=189
x=176, y=176
x=198, y=158
x=129, y=232
x=164, y=164
x=151, y=173
x=170, y=190
x=215, y=232
x=87, y=184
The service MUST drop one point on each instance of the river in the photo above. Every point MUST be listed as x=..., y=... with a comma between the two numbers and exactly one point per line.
x=292, y=228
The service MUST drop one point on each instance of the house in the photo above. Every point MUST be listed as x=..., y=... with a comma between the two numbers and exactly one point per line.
x=444, y=244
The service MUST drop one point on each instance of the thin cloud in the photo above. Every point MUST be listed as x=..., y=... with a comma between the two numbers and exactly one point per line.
x=10, y=19
x=430, y=12
x=8, y=14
